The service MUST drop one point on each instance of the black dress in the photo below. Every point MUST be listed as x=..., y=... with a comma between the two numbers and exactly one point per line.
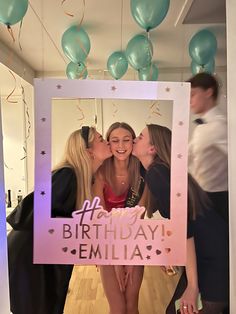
x=37, y=288
x=210, y=234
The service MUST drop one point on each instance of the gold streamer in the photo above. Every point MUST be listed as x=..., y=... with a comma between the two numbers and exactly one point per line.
x=115, y=109
x=67, y=13
x=24, y=149
x=26, y=112
x=154, y=108
x=6, y=166
x=71, y=14
x=7, y=99
x=81, y=113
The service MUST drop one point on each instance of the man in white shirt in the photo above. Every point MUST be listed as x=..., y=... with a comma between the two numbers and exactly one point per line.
x=208, y=153
x=208, y=156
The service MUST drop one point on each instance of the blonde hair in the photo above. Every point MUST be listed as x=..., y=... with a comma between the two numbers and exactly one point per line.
x=77, y=158
x=160, y=138
x=107, y=169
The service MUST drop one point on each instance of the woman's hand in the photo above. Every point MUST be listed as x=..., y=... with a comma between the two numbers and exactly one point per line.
x=189, y=301
x=120, y=276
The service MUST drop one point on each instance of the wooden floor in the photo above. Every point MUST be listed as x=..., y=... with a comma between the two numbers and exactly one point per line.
x=86, y=296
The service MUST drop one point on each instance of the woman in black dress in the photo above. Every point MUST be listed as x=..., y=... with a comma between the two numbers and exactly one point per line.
x=206, y=270
x=42, y=289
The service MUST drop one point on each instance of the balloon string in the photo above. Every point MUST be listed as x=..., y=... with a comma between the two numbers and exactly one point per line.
x=121, y=26
x=26, y=113
x=83, y=72
x=10, y=31
x=82, y=46
x=7, y=99
x=81, y=21
x=21, y=22
x=46, y=31
x=67, y=13
x=151, y=72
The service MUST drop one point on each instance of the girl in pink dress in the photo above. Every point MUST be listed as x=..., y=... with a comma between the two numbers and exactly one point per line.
x=119, y=184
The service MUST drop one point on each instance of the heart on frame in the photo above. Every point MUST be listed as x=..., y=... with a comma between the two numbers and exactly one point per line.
x=167, y=250
x=158, y=252
x=65, y=249
x=149, y=247
x=51, y=231
x=73, y=252
x=169, y=233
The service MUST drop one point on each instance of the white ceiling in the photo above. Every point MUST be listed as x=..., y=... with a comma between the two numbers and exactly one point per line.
x=109, y=29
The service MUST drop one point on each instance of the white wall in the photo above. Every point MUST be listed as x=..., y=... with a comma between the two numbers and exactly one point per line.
x=13, y=146
x=69, y=115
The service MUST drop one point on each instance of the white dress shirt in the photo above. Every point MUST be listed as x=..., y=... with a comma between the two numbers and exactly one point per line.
x=208, y=153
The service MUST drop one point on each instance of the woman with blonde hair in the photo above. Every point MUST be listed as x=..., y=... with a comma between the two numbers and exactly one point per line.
x=119, y=184
x=42, y=289
x=206, y=269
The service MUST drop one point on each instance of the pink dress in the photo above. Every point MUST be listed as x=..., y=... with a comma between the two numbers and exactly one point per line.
x=112, y=200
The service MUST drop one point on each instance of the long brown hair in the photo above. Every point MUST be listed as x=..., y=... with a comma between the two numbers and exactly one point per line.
x=160, y=138
x=77, y=158
x=107, y=168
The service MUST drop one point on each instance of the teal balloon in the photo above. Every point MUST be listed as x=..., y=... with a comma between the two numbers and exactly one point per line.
x=149, y=73
x=149, y=13
x=208, y=68
x=76, y=71
x=203, y=46
x=117, y=64
x=12, y=11
x=139, y=52
x=75, y=44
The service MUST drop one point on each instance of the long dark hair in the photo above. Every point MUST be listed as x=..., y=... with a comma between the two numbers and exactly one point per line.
x=160, y=138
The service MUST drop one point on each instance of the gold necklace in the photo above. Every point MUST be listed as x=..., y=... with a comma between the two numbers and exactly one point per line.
x=121, y=176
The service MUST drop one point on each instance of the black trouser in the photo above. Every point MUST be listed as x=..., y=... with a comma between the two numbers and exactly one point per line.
x=220, y=202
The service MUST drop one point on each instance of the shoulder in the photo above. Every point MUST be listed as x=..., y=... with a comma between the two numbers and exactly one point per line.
x=99, y=182
x=99, y=177
x=65, y=173
x=217, y=128
x=157, y=169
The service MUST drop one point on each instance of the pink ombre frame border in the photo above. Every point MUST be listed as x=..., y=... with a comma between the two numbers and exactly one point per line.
x=169, y=237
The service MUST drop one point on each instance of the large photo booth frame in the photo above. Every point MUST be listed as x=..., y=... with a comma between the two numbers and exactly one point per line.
x=122, y=237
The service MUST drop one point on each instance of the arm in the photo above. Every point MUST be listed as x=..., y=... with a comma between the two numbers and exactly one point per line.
x=190, y=295
x=97, y=189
